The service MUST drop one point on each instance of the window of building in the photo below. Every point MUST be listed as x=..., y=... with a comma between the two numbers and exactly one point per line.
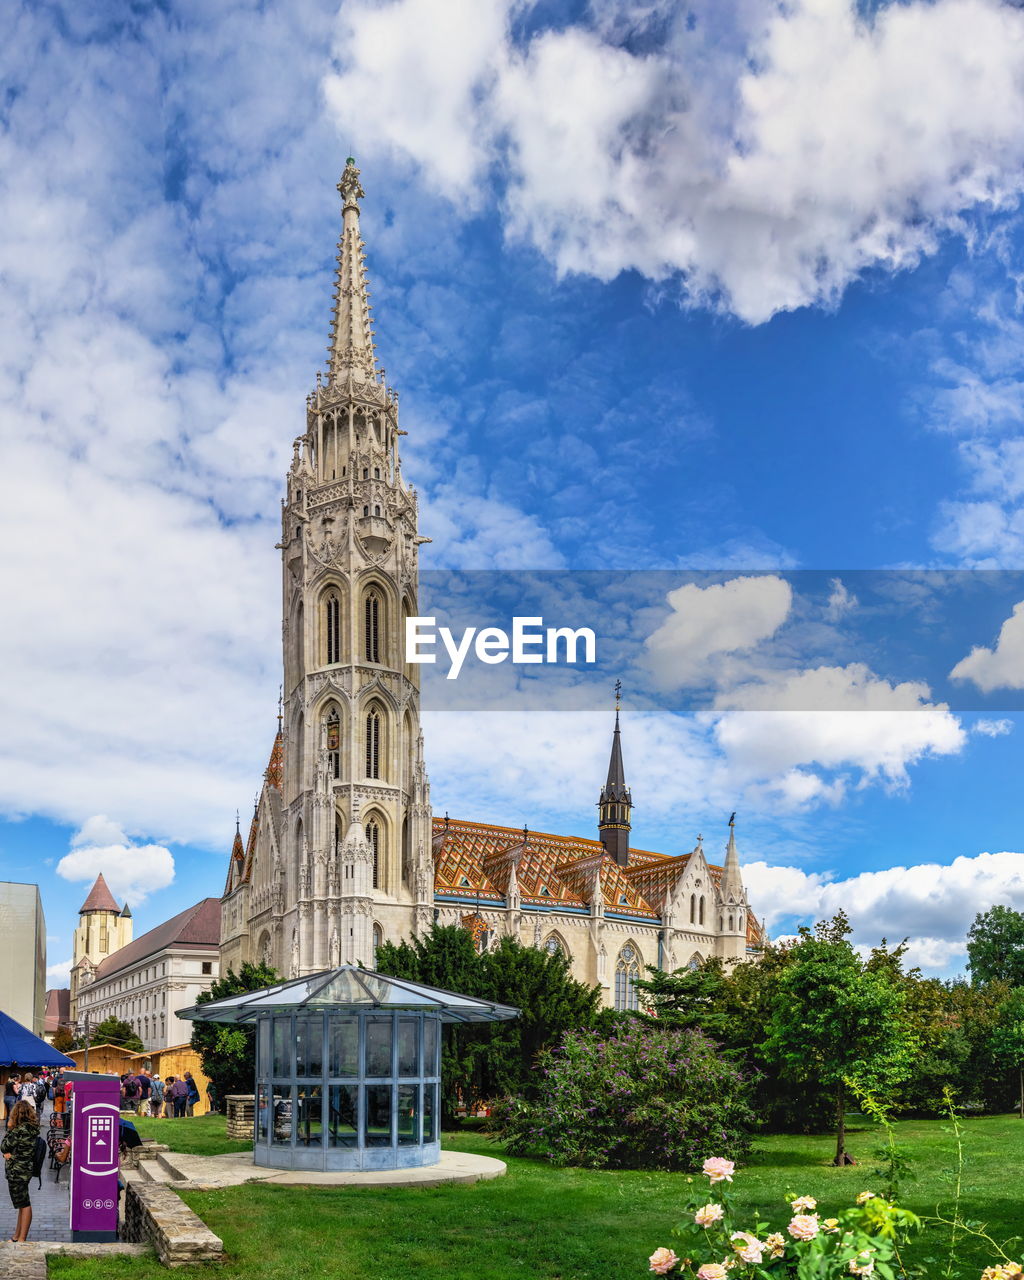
x=376, y=473
x=627, y=974
x=702, y=908
x=207, y=967
x=332, y=627
x=373, y=744
x=373, y=840
x=371, y=626
x=378, y=940
x=333, y=736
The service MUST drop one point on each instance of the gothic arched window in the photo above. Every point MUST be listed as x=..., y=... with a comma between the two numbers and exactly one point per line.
x=554, y=946
x=332, y=628
x=702, y=908
x=627, y=973
x=373, y=840
x=373, y=743
x=333, y=743
x=693, y=908
x=378, y=940
x=371, y=626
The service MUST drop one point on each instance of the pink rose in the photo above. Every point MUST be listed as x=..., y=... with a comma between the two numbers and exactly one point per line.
x=708, y=1214
x=713, y=1271
x=748, y=1247
x=776, y=1244
x=804, y=1204
x=662, y=1261
x=719, y=1169
x=804, y=1226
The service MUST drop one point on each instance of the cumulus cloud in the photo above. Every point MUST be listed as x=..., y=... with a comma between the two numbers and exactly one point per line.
x=933, y=904
x=841, y=601
x=707, y=622
x=1001, y=667
x=992, y=728
x=59, y=973
x=764, y=154
x=132, y=871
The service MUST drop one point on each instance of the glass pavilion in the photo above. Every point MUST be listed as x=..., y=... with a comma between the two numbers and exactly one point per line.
x=348, y=1067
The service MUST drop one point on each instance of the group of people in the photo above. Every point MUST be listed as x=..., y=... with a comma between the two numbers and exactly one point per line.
x=147, y=1094
x=25, y=1096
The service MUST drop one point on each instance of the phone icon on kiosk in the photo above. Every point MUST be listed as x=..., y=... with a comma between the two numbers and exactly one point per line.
x=101, y=1148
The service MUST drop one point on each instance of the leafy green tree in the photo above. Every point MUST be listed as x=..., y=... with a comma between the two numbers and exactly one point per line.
x=1008, y=1039
x=113, y=1031
x=995, y=946
x=63, y=1039
x=834, y=1020
x=228, y=1052
x=687, y=998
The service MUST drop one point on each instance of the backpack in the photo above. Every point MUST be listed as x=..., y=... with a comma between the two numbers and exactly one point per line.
x=131, y=1088
x=39, y=1155
x=40, y=1092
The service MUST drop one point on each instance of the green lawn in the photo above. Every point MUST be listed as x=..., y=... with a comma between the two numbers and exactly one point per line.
x=192, y=1135
x=549, y=1224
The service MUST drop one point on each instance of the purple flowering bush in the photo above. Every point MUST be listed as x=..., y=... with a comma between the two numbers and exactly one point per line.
x=640, y=1098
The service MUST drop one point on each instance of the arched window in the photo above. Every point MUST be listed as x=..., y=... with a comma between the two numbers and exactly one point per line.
x=693, y=908
x=378, y=940
x=627, y=972
x=731, y=924
x=333, y=744
x=332, y=628
x=554, y=946
x=371, y=626
x=373, y=743
x=702, y=908
x=373, y=840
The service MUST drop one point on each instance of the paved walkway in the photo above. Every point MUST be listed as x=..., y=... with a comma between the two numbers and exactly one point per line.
x=49, y=1202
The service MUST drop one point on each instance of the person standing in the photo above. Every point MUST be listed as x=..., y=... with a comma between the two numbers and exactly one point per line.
x=145, y=1088
x=27, y=1092
x=178, y=1096
x=19, y=1151
x=192, y=1096
x=10, y=1095
x=156, y=1096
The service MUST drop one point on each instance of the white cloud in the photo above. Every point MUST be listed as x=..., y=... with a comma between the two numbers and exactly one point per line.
x=767, y=154
x=1001, y=667
x=132, y=872
x=841, y=601
x=992, y=728
x=707, y=622
x=60, y=972
x=932, y=904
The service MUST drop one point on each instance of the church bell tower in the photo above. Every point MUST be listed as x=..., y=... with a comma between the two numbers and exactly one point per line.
x=355, y=858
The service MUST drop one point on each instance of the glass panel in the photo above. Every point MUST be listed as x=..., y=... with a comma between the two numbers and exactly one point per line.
x=309, y=1122
x=342, y=1130
x=263, y=1048
x=262, y=1115
x=378, y=1046
x=344, y=1034
x=309, y=1046
x=378, y=1116
x=408, y=1058
x=281, y=1107
x=408, y=1119
x=430, y=1113
x=430, y=1029
x=282, y=1047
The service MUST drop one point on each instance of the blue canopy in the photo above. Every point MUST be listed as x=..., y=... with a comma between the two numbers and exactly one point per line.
x=18, y=1044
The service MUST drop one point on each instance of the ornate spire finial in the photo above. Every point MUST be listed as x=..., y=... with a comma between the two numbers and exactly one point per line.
x=280, y=706
x=238, y=824
x=350, y=353
x=618, y=695
x=732, y=819
x=526, y=834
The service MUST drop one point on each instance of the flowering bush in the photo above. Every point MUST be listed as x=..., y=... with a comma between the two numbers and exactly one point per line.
x=861, y=1241
x=642, y=1098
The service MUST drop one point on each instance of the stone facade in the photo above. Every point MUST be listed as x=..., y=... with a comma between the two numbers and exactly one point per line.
x=342, y=851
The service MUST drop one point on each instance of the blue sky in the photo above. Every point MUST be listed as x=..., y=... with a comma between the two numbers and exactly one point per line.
x=719, y=287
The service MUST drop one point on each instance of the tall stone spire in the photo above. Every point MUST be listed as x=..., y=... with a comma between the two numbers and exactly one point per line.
x=350, y=353
x=732, y=881
x=615, y=804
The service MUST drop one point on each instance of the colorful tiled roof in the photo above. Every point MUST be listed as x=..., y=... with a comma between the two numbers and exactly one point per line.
x=100, y=898
x=274, y=772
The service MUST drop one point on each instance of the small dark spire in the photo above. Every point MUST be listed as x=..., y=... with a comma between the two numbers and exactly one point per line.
x=616, y=804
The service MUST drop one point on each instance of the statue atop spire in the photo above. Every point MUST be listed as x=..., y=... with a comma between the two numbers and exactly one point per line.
x=351, y=350
x=616, y=804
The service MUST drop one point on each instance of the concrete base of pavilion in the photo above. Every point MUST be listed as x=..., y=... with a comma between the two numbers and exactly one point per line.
x=211, y=1172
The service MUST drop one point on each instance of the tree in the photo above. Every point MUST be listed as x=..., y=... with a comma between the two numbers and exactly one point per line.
x=63, y=1039
x=1008, y=1038
x=835, y=1020
x=687, y=998
x=995, y=947
x=113, y=1031
x=228, y=1052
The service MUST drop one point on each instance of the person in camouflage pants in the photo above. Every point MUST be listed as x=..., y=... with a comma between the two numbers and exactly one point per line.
x=19, y=1148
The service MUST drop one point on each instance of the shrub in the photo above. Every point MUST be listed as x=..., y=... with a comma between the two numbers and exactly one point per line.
x=640, y=1098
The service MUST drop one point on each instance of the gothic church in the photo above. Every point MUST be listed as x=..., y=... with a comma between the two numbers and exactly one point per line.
x=342, y=852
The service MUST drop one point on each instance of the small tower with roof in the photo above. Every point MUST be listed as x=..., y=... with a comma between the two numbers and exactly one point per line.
x=615, y=806
x=103, y=928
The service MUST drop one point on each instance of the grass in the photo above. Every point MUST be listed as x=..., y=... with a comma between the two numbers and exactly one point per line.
x=550, y=1224
x=191, y=1135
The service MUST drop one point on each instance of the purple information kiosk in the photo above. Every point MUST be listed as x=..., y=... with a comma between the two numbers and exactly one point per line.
x=95, y=1144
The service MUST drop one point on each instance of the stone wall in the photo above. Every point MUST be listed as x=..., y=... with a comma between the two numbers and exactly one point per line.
x=155, y=1215
x=241, y=1109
